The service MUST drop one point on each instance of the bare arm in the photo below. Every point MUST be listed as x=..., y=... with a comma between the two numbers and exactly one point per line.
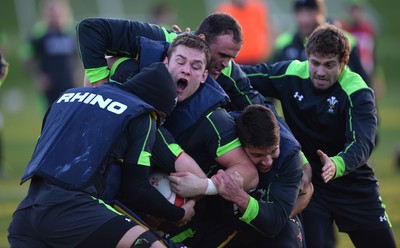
x=302, y=201
x=237, y=160
x=187, y=163
x=189, y=180
x=305, y=192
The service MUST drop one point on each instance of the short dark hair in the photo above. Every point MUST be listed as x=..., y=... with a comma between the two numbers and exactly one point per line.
x=257, y=126
x=327, y=39
x=219, y=23
x=191, y=41
x=318, y=5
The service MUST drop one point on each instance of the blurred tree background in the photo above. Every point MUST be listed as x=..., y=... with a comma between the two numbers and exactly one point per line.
x=22, y=105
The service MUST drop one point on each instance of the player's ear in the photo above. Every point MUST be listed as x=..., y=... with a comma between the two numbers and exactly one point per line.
x=165, y=61
x=204, y=77
x=202, y=36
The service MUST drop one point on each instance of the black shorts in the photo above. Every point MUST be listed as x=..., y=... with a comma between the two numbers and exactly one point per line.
x=350, y=212
x=53, y=217
x=291, y=236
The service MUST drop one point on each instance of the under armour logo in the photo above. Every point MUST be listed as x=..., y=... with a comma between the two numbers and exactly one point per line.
x=298, y=96
x=127, y=219
x=382, y=218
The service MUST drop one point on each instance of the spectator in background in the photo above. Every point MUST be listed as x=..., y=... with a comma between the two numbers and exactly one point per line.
x=254, y=18
x=50, y=54
x=309, y=14
x=361, y=28
x=162, y=14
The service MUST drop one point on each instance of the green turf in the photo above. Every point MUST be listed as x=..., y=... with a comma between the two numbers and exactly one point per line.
x=22, y=126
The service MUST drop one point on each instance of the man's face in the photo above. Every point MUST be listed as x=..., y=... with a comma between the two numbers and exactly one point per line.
x=307, y=20
x=263, y=157
x=187, y=67
x=222, y=50
x=324, y=70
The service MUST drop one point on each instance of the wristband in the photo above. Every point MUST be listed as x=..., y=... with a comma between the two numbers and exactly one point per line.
x=211, y=189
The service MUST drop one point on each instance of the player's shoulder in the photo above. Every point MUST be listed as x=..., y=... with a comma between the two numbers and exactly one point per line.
x=218, y=120
x=219, y=114
x=352, y=82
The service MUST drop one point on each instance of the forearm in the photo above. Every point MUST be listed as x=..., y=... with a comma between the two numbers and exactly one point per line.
x=100, y=36
x=145, y=198
x=266, y=217
x=302, y=201
x=87, y=83
x=360, y=134
x=241, y=199
x=186, y=163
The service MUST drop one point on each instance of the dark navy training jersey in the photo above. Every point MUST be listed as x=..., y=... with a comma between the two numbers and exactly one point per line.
x=340, y=121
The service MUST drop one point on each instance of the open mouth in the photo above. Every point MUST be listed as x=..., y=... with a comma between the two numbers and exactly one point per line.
x=320, y=81
x=181, y=85
x=218, y=70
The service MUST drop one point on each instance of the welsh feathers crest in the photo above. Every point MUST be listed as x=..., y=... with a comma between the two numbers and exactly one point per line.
x=332, y=103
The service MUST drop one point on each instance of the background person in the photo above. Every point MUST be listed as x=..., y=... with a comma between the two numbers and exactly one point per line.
x=308, y=15
x=358, y=24
x=253, y=16
x=50, y=54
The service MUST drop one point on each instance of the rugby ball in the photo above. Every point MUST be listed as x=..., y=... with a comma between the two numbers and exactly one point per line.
x=159, y=180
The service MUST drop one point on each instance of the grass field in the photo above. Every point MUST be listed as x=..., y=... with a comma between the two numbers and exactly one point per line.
x=21, y=108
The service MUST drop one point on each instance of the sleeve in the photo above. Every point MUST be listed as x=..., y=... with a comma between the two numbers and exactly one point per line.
x=237, y=85
x=221, y=136
x=136, y=191
x=98, y=37
x=360, y=133
x=261, y=77
x=165, y=151
x=271, y=214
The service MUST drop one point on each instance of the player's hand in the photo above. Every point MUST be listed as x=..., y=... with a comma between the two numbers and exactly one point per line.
x=306, y=179
x=189, y=212
x=230, y=187
x=187, y=184
x=178, y=29
x=329, y=167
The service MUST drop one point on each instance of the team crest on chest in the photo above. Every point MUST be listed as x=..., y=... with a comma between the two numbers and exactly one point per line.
x=332, y=101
